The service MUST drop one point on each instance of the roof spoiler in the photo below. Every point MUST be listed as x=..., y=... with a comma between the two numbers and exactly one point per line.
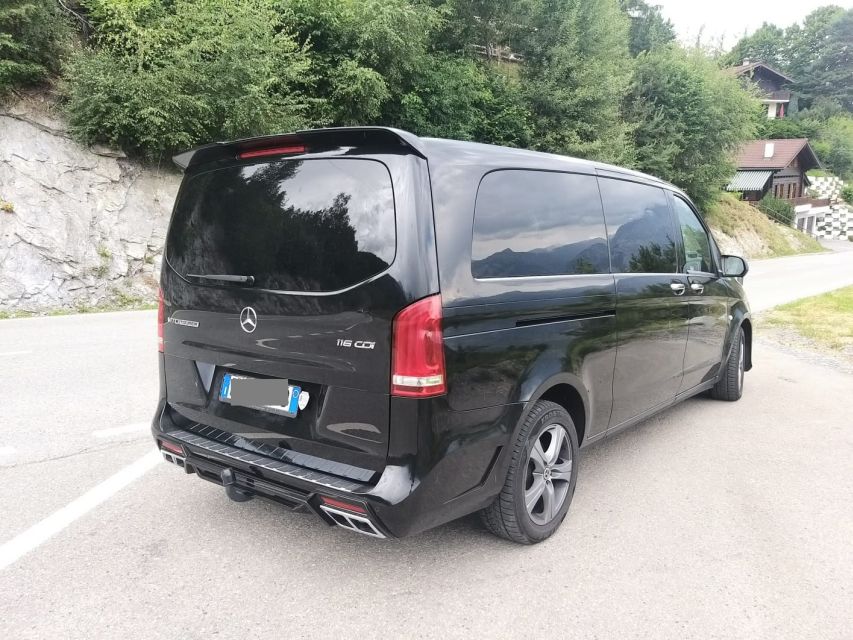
x=336, y=136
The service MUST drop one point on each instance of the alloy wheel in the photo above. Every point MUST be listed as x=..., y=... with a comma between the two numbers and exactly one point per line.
x=549, y=472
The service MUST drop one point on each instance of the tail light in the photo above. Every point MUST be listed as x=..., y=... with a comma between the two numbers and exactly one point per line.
x=272, y=151
x=171, y=447
x=161, y=320
x=340, y=504
x=417, y=359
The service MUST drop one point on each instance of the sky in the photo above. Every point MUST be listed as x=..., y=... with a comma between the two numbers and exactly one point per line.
x=729, y=18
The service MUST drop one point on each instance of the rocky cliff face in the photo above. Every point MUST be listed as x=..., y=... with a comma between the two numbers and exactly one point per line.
x=78, y=227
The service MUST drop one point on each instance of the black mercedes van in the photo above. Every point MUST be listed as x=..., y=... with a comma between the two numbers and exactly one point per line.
x=393, y=331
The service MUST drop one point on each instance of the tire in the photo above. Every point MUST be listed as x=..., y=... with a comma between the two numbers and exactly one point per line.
x=730, y=385
x=509, y=516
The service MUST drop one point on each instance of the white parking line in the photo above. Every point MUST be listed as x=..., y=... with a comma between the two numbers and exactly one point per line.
x=42, y=531
x=14, y=353
x=137, y=427
x=7, y=451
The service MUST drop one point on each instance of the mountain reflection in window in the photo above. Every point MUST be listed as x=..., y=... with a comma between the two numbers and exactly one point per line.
x=312, y=225
x=640, y=226
x=538, y=223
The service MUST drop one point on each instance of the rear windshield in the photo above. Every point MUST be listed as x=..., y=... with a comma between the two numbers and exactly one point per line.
x=294, y=225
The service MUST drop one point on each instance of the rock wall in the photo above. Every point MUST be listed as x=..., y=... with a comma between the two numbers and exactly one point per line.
x=78, y=226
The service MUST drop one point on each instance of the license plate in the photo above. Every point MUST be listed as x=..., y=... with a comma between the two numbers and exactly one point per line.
x=274, y=396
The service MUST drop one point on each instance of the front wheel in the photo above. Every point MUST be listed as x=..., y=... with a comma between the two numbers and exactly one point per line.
x=730, y=385
x=541, y=479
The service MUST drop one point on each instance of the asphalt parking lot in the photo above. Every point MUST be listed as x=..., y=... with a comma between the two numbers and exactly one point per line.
x=712, y=520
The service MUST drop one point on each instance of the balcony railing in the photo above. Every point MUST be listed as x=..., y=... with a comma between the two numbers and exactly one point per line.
x=815, y=202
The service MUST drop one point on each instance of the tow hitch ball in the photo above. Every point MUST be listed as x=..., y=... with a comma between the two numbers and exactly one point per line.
x=231, y=490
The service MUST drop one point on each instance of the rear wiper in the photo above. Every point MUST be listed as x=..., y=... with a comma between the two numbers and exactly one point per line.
x=249, y=280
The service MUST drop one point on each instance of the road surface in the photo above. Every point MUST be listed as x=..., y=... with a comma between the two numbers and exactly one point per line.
x=712, y=520
x=773, y=282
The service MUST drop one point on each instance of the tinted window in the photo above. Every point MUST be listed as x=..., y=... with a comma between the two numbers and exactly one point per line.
x=642, y=237
x=697, y=247
x=296, y=225
x=536, y=223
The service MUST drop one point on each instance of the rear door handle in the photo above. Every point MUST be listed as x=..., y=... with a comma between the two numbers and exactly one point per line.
x=697, y=288
x=678, y=288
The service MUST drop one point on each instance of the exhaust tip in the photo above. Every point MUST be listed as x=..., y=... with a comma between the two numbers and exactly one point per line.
x=352, y=521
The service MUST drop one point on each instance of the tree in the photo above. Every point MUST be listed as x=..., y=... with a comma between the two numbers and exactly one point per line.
x=807, y=41
x=576, y=71
x=460, y=98
x=364, y=53
x=34, y=37
x=170, y=75
x=649, y=29
x=768, y=44
x=827, y=67
x=834, y=145
x=690, y=119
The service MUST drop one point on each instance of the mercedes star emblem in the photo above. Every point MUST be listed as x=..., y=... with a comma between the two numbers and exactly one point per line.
x=248, y=319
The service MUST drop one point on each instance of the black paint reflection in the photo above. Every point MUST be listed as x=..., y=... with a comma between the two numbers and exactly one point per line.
x=538, y=223
x=316, y=225
x=640, y=228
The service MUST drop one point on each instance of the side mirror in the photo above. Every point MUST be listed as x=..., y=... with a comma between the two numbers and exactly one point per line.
x=734, y=267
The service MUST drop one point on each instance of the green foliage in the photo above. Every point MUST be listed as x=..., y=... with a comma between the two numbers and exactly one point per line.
x=649, y=29
x=171, y=75
x=847, y=193
x=34, y=36
x=777, y=209
x=577, y=70
x=816, y=54
x=767, y=44
x=830, y=73
x=798, y=126
x=458, y=98
x=690, y=118
x=364, y=53
x=834, y=145
x=164, y=75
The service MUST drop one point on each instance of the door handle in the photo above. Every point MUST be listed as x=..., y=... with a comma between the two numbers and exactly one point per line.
x=697, y=288
x=678, y=288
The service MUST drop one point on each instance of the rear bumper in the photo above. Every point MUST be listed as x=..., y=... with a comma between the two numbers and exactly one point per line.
x=402, y=502
x=241, y=472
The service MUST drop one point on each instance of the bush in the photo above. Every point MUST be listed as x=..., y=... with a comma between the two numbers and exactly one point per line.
x=167, y=76
x=777, y=209
x=34, y=37
x=847, y=193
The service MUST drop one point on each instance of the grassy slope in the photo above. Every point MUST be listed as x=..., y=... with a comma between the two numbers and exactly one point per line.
x=741, y=228
x=827, y=319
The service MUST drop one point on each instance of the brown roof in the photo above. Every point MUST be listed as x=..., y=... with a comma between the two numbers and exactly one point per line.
x=751, y=155
x=740, y=69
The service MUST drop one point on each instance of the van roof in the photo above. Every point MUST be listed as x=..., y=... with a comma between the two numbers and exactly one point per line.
x=460, y=152
x=433, y=149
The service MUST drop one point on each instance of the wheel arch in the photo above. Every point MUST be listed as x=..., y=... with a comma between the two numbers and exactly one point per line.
x=567, y=391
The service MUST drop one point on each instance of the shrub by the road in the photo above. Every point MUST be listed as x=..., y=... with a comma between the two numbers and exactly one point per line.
x=777, y=209
x=34, y=36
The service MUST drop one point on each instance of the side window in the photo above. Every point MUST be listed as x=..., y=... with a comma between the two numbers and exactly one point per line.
x=639, y=223
x=697, y=246
x=538, y=223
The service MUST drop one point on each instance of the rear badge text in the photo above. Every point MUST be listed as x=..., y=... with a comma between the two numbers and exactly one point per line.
x=356, y=344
